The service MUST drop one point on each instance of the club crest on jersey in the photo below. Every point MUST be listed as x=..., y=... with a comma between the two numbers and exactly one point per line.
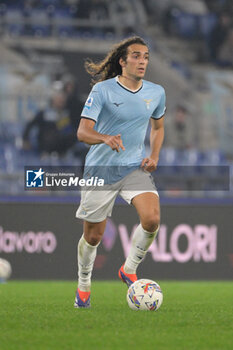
x=89, y=102
x=147, y=103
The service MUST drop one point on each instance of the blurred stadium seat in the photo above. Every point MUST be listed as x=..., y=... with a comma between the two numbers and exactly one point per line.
x=40, y=23
x=61, y=22
x=206, y=23
x=14, y=19
x=186, y=25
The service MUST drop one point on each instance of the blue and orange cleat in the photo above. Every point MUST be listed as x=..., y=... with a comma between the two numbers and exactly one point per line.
x=82, y=299
x=128, y=278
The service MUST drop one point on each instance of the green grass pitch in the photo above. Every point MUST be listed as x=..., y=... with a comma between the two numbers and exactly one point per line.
x=40, y=315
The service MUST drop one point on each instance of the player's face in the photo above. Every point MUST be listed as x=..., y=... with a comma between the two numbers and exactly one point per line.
x=136, y=62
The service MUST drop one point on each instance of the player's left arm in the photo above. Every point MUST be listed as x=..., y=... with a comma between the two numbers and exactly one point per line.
x=156, y=141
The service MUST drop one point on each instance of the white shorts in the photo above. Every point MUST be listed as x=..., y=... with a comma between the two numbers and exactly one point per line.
x=97, y=204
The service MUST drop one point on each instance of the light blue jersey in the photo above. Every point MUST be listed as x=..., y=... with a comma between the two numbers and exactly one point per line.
x=118, y=110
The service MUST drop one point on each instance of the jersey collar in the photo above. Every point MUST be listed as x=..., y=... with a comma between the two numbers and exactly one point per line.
x=124, y=87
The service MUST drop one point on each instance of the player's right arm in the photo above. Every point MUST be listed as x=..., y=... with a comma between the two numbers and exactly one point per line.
x=86, y=133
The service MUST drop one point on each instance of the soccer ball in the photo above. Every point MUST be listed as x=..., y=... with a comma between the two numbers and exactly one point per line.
x=5, y=270
x=144, y=295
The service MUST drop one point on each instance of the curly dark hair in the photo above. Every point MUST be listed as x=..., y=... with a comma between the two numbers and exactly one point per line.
x=109, y=67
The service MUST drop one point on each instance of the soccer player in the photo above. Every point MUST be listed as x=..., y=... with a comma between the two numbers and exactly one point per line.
x=114, y=122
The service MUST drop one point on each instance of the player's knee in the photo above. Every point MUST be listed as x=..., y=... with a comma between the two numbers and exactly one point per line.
x=93, y=232
x=94, y=238
x=151, y=222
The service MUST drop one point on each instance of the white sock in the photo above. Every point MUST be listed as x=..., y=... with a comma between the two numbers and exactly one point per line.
x=140, y=244
x=86, y=255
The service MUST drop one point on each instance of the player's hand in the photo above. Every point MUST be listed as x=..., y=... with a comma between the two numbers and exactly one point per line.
x=115, y=142
x=149, y=164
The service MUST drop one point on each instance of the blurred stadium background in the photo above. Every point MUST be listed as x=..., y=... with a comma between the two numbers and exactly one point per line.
x=43, y=86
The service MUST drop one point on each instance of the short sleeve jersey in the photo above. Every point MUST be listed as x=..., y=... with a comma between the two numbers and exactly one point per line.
x=118, y=110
